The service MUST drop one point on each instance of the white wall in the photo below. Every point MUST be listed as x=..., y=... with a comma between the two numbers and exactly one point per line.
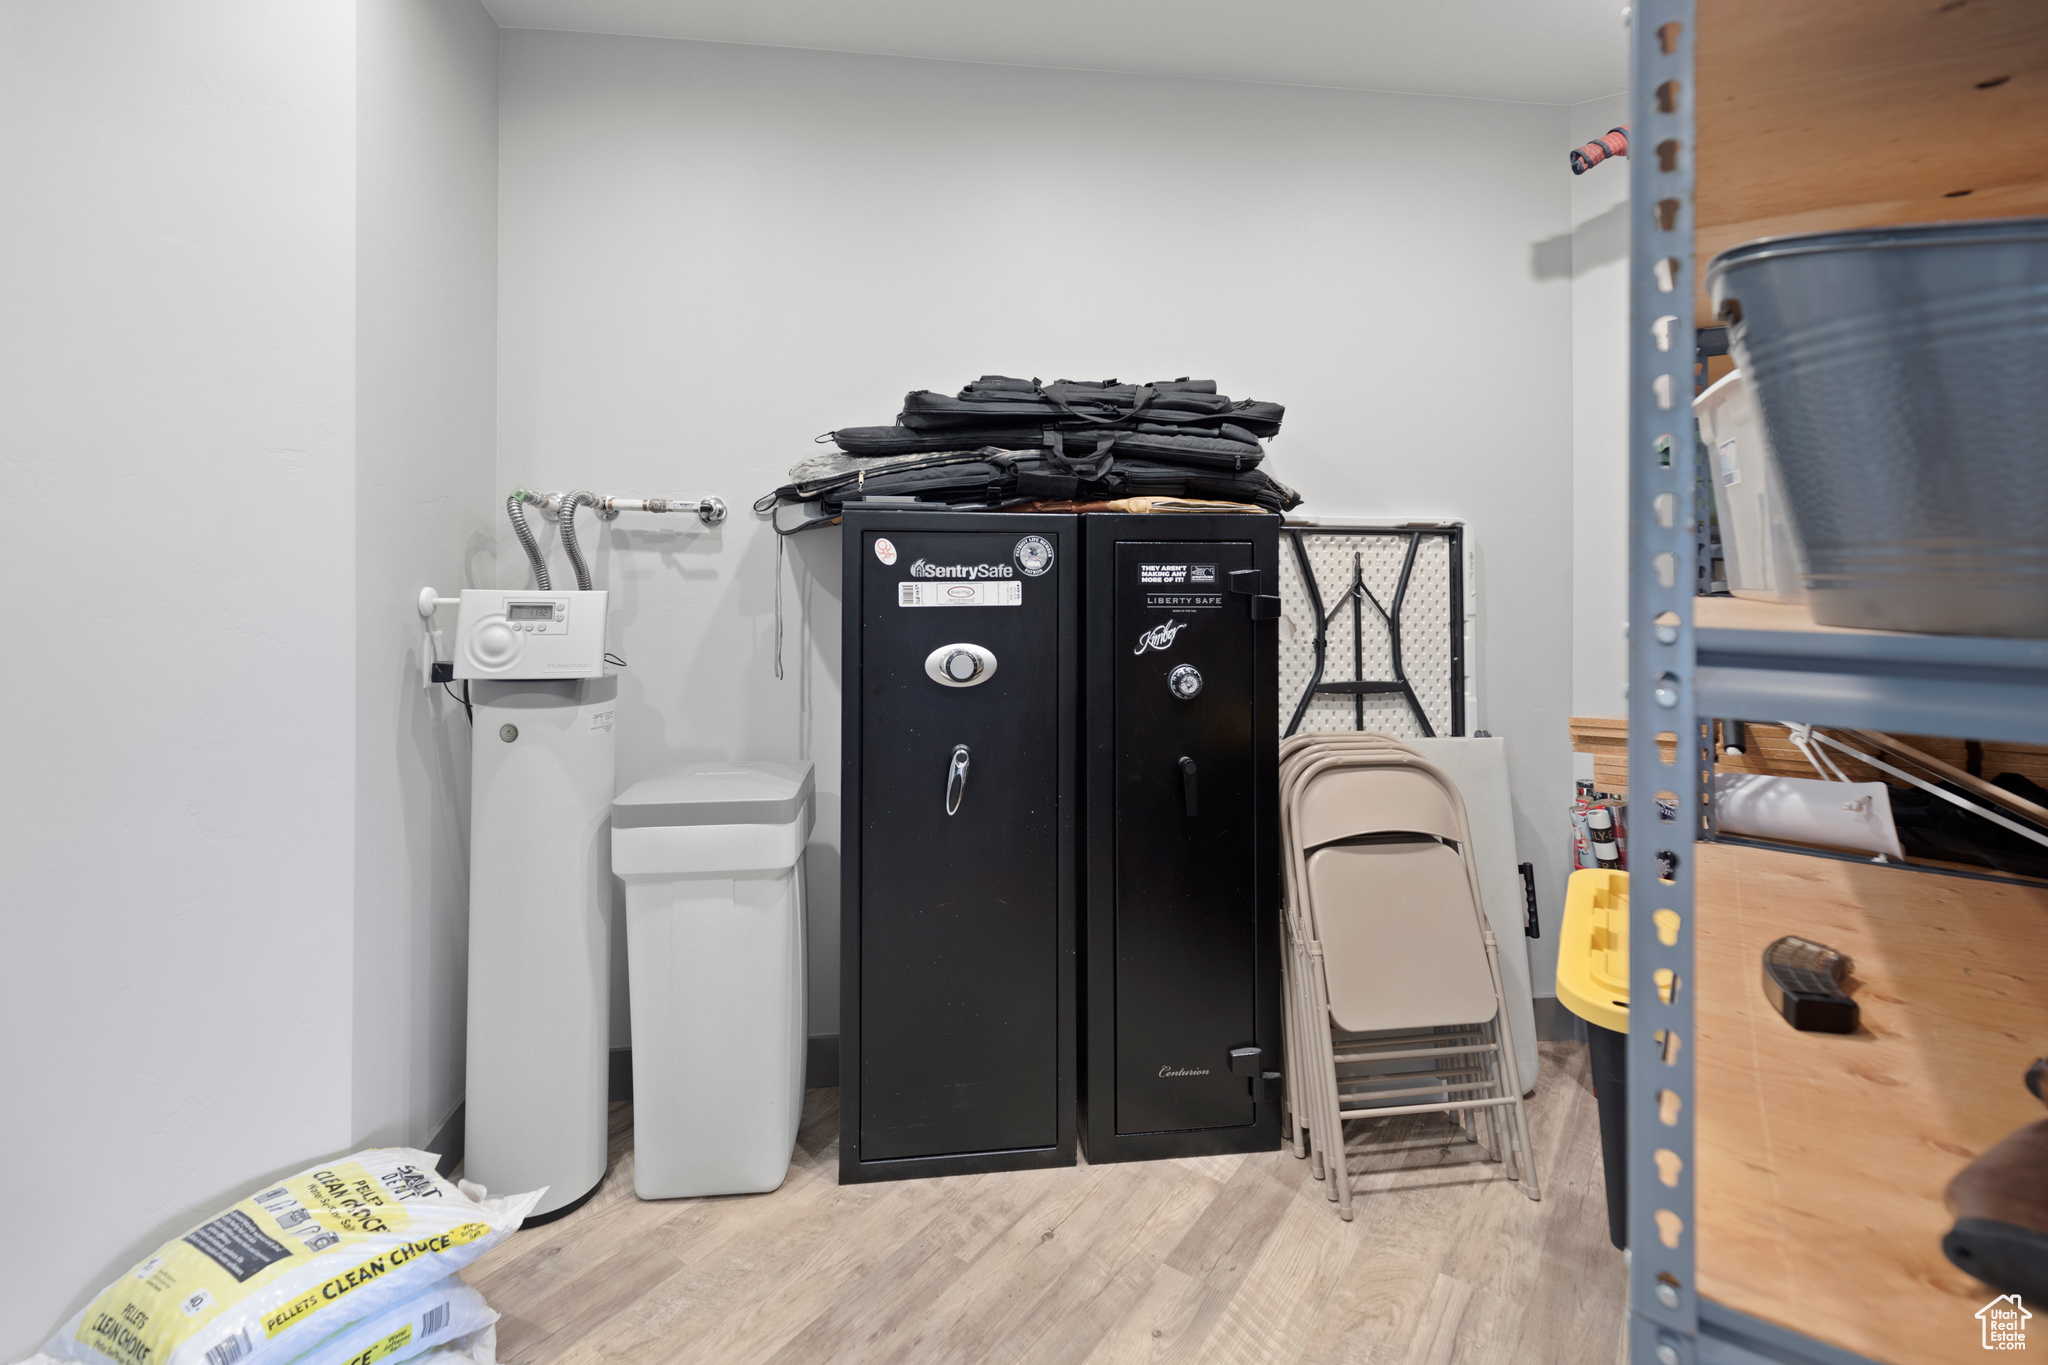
x=709, y=254
x=176, y=356
x=1599, y=422
x=426, y=411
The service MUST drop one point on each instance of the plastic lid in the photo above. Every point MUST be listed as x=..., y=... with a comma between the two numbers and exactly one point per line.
x=716, y=794
x=1592, y=950
x=1728, y=387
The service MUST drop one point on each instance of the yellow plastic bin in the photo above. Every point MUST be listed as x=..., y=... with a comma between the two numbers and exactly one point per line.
x=1592, y=982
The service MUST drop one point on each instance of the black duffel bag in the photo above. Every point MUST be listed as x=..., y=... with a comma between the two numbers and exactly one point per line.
x=954, y=477
x=996, y=402
x=991, y=478
x=1222, y=448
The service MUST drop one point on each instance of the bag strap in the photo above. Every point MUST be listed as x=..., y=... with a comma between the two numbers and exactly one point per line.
x=1056, y=394
x=1093, y=466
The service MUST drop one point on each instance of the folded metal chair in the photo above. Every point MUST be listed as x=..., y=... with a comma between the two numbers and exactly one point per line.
x=1301, y=1015
x=1296, y=753
x=1394, y=960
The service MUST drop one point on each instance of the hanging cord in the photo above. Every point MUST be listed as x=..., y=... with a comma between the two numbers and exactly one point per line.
x=778, y=608
x=525, y=534
x=570, y=502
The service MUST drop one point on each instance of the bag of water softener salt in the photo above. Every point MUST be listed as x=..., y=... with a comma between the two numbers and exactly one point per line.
x=276, y=1274
x=448, y=1314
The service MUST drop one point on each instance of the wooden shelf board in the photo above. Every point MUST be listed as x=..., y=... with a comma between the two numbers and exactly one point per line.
x=1860, y=113
x=1822, y=1158
x=1793, y=619
x=1743, y=613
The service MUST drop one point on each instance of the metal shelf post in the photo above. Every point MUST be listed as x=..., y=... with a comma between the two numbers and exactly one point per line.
x=1665, y=816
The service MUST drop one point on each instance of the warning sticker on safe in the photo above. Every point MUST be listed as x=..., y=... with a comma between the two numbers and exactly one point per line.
x=959, y=594
x=1170, y=601
x=1176, y=573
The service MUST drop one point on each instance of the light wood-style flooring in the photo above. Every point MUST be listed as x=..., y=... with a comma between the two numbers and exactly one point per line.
x=1237, y=1259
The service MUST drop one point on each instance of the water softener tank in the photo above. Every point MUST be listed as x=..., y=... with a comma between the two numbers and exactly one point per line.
x=540, y=937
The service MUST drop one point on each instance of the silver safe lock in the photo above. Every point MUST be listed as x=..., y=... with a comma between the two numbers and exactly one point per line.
x=1185, y=682
x=960, y=665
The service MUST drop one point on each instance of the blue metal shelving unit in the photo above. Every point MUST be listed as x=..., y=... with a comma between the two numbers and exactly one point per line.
x=1987, y=689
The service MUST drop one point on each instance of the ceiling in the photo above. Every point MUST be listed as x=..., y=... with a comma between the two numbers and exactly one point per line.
x=1536, y=51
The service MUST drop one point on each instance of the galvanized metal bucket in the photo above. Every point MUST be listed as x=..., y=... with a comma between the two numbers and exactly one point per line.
x=1902, y=375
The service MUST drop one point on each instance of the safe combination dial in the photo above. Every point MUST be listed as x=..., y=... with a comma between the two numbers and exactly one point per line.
x=1185, y=682
x=960, y=665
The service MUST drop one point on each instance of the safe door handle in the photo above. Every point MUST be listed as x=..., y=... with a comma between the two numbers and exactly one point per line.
x=956, y=778
x=1187, y=783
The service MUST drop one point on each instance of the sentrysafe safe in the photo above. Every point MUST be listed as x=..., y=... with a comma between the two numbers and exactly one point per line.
x=957, y=920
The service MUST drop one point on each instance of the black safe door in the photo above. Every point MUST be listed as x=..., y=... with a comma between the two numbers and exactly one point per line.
x=1186, y=917
x=959, y=788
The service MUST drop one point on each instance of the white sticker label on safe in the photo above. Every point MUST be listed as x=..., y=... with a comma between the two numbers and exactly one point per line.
x=601, y=721
x=885, y=551
x=959, y=594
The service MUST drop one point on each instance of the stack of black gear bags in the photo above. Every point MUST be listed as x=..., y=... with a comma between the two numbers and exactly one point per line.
x=1005, y=442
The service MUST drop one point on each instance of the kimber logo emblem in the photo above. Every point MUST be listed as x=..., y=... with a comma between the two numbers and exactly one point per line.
x=1183, y=1071
x=922, y=569
x=1159, y=637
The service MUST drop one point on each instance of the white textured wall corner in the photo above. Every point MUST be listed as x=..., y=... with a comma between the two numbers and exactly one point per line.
x=710, y=254
x=177, y=287
x=426, y=409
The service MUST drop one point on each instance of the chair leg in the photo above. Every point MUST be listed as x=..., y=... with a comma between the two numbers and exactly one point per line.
x=1509, y=1159
x=1341, y=1163
x=1308, y=1089
x=1490, y=1116
x=1519, y=1118
x=1304, y=1060
x=1318, y=1062
x=1331, y=1115
x=1290, y=1107
x=1298, y=1125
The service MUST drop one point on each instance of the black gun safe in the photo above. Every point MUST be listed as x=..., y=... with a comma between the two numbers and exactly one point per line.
x=959, y=872
x=1181, y=1001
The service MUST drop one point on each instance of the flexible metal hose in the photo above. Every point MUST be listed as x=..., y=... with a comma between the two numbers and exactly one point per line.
x=525, y=534
x=570, y=501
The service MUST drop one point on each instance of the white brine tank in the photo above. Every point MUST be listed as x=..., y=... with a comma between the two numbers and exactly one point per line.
x=539, y=936
x=712, y=859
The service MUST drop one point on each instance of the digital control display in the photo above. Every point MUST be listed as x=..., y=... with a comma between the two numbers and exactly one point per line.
x=530, y=611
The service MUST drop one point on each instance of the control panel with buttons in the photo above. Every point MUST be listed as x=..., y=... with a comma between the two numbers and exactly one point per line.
x=513, y=635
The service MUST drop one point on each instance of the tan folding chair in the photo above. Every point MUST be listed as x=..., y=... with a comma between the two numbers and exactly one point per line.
x=1396, y=961
x=1299, y=1104
x=1296, y=753
x=1302, y=1014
